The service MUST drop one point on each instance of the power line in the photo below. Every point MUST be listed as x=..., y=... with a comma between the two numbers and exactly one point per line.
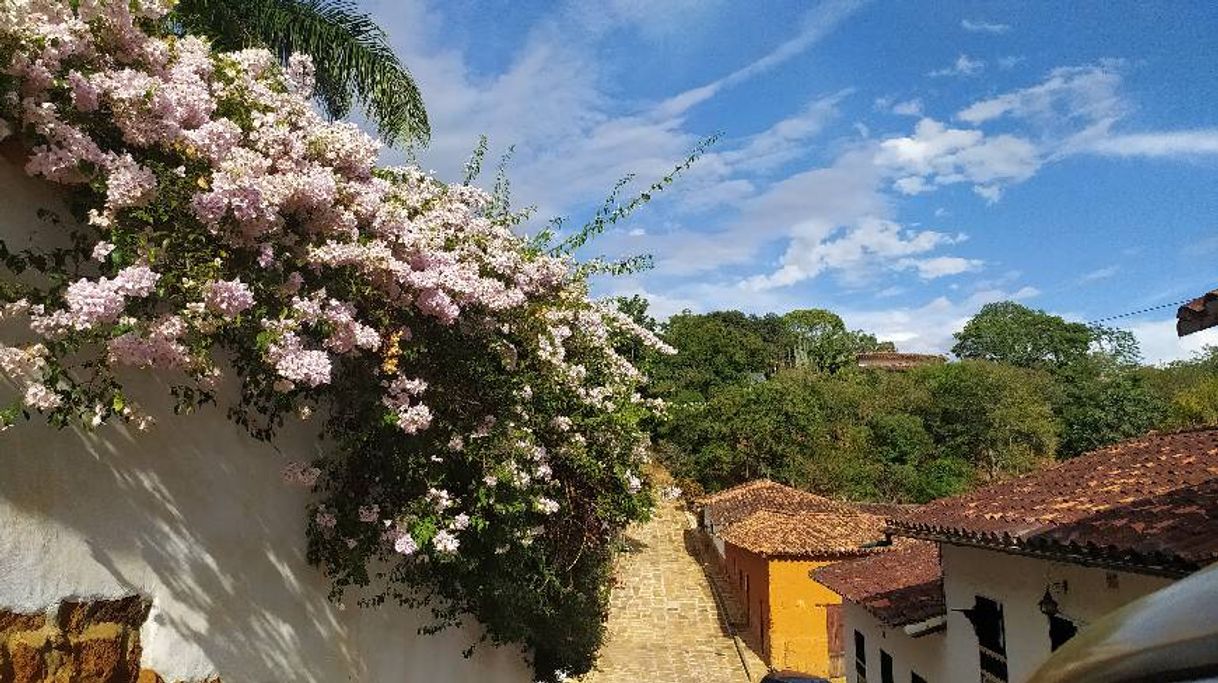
x=1139, y=312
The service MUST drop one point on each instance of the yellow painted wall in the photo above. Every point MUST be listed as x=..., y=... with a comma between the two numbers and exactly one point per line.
x=798, y=636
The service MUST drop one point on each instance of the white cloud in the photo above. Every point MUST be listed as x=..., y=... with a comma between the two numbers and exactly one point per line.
x=825, y=217
x=1161, y=345
x=936, y=155
x=1077, y=109
x=908, y=108
x=1183, y=143
x=942, y=266
x=983, y=26
x=1086, y=93
x=572, y=139
x=785, y=140
x=990, y=193
x=1099, y=274
x=810, y=203
x=1011, y=61
x=963, y=66
x=703, y=295
x=546, y=101
x=817, y=24
x=912, y=184
x=661, y=305
x=856, y=252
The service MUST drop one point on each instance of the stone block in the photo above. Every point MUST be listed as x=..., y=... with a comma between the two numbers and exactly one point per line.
x=26, y=663
x=105, y=653
x=18, y=621
x=102, y=660
x=131, y=611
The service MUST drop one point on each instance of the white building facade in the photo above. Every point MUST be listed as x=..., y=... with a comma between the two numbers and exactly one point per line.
x=1017, y=586
x=948, y=647
x=1022, y=566
x=873, y=647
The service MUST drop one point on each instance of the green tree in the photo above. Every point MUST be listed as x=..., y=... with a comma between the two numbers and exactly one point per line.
x=785, y=428
x=351, y=54
x=715, y=350
x=1196, y=405
x=1007, y=332
x=1099, y=401
x=820, y=339
x=636, y=307
x=995, y=416
x=1189, y=389
x=900, y=445
x=1098, y=396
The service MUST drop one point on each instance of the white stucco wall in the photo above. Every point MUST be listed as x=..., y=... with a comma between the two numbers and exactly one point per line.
x=924, y=654
x=194, y=515
x=1083, y=594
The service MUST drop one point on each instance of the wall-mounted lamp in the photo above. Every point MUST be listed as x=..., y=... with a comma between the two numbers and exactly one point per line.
x=1048, y=606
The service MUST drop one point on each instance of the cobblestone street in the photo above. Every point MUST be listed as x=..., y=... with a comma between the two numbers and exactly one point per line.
x=664, y=624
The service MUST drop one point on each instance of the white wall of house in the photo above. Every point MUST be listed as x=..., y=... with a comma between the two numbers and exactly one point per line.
x=193, y=515
x=924, y=654
x=1083, y=594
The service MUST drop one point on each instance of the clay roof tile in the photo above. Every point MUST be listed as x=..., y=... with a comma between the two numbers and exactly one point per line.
x=903, y=585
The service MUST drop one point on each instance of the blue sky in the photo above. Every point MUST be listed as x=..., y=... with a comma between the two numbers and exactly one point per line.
x=900, y=163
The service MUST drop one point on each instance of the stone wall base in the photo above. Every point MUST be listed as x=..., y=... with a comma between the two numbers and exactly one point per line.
x=95, y=641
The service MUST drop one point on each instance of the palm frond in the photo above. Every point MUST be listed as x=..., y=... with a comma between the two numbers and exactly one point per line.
x=350, y=52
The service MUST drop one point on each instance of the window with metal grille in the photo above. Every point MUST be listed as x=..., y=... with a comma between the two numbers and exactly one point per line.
x=986, y=616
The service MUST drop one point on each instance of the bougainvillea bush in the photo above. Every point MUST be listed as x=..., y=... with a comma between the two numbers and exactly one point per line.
x=482, y=431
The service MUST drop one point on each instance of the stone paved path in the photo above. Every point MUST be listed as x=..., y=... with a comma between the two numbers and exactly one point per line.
x=664, y=624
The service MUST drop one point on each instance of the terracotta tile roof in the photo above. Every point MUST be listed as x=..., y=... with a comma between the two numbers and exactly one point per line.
x=738, y=490
x=901, y=586
x=1147, y=504
x=1199, y=314
x=841, y=533
x=891, y=360
x=733, y=505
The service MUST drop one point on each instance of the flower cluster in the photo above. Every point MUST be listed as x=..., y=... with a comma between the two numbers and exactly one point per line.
x=228, y=298
x=485, y=426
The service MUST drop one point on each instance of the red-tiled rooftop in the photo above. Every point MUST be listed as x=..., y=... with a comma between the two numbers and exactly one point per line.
x=901, y=586
x=893, y=360
x=842, y=533
x=1147, y=504
x=735, y=504
x=1199, y=314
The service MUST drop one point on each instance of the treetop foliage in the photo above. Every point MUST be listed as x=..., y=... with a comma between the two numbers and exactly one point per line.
x=781, y=396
